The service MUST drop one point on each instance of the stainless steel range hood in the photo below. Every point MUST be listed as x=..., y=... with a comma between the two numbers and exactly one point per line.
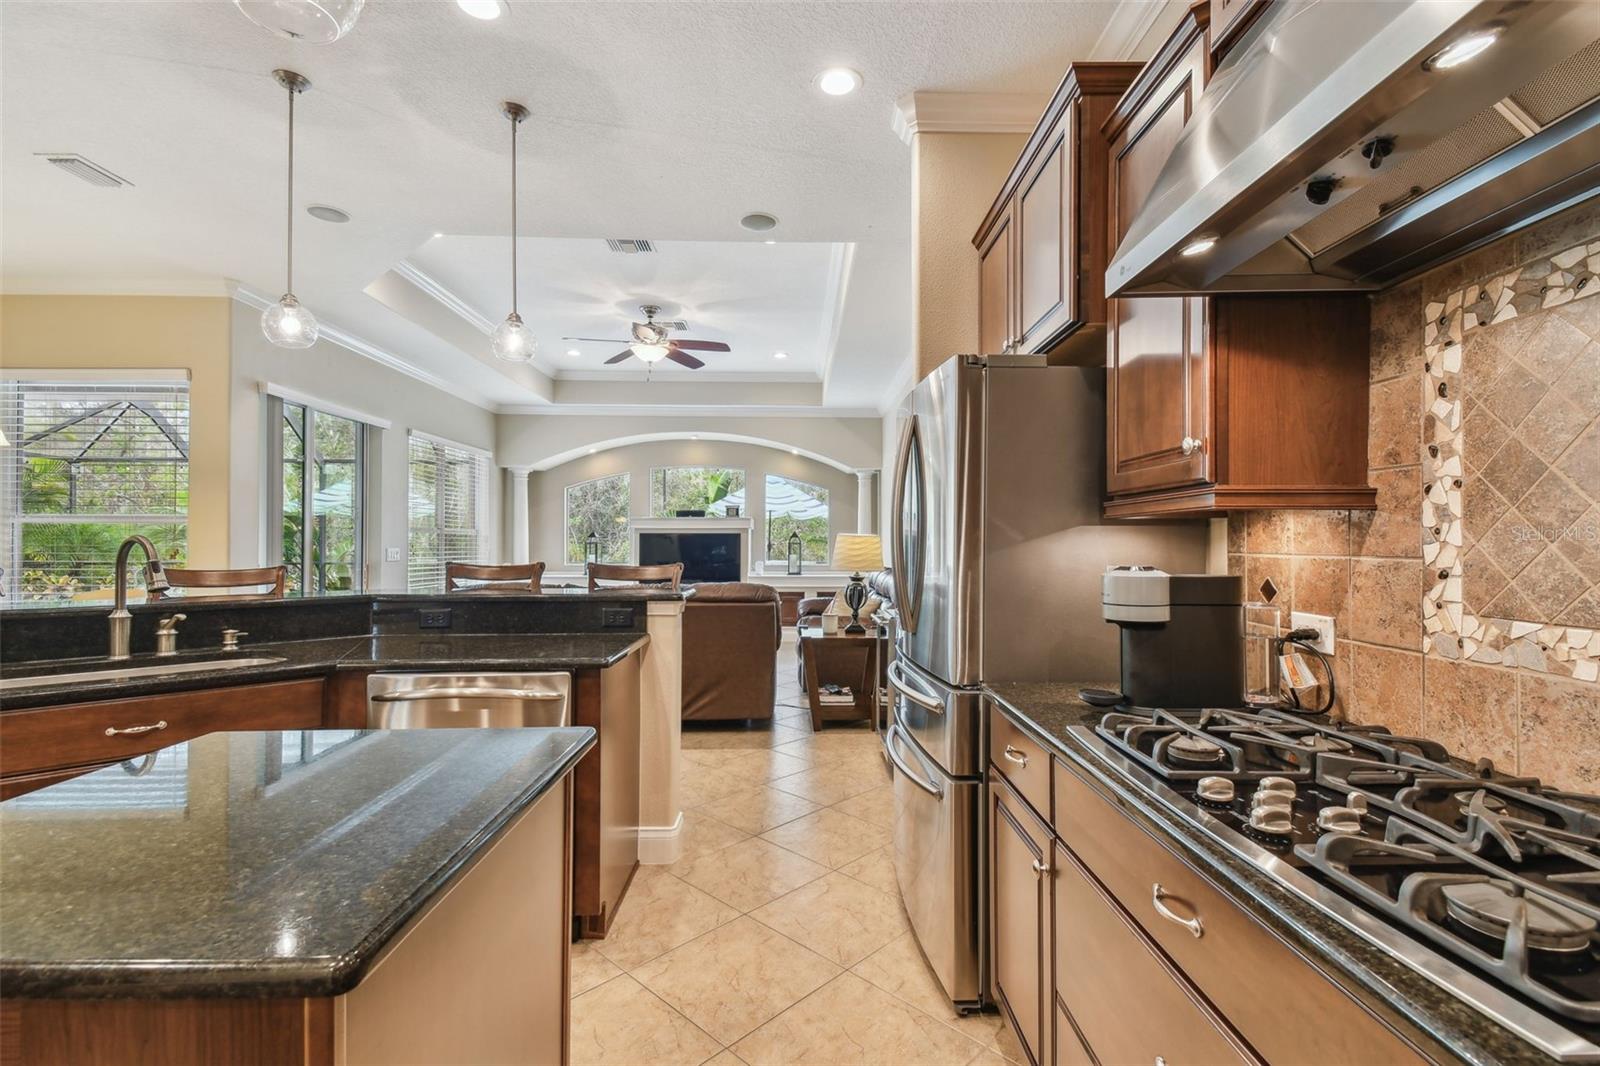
x=1332, y=150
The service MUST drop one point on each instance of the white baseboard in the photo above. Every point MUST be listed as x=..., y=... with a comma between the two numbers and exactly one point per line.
x=660, y=845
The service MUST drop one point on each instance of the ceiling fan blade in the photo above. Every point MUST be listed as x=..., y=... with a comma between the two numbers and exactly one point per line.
x=597, y=340
x=626, y=353
x=702, y=346
x=684, y=359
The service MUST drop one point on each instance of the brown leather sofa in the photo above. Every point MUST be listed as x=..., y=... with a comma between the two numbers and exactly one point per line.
x=730, y=651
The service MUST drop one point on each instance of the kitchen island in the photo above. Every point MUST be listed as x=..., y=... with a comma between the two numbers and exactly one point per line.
x=312, y=896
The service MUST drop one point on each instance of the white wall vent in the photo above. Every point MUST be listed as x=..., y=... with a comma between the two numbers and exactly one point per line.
x=629, y=247
x=76, y=165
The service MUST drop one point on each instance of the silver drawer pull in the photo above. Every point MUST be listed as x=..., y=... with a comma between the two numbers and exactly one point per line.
x=1040, y=867
x=135, y=730
x=1015, y=756
x=470, y=693
x=1157, y=894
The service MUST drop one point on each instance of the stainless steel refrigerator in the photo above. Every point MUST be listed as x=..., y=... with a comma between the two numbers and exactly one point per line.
x=998, y=545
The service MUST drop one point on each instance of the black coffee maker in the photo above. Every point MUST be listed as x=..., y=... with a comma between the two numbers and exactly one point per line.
x=1182, y=636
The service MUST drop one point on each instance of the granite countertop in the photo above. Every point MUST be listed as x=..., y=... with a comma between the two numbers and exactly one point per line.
x=1055, y=715
x=254, y=864
x=321, y=657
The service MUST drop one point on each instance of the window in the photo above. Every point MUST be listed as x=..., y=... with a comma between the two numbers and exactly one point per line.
x=796, y=506
x=599, y=507
x=320, y=474
x=694, y=488
x=446, y=499
x=89, y=463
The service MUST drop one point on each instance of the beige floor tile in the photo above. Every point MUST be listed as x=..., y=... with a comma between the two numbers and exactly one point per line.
x=765, y=765
x=791, y=731
x=751, y=873
x=824, y=784
x=622, y=1023
x=709, y=782
x=699, y=738
x=876, y=805
x=849, y=1021
x=836, y=916
x=829, y=836
x=659, y=913
x=703, y=833
x=986, y=1057
x=876, y=869
x=735, y=977
x=725, y=1058
x=900, y=970
x=758, y=809
x=589, y=968
x=801, y=748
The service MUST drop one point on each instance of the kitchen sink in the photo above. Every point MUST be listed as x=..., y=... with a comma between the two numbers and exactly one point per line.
x=128, y=673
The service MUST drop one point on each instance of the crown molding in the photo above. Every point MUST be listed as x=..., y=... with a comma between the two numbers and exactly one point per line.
x=930, y=112
x=1128, y=26
x=430, y=285
x=686, y=411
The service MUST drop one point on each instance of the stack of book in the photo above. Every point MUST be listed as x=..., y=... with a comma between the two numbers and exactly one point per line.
x=835, y=695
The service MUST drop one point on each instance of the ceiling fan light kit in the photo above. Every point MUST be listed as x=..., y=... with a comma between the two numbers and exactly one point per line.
x=286, y=323
x=513, y=342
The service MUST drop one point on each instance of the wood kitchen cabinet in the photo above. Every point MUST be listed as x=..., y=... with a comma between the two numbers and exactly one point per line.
x=1019, y=863
x=1226, y=402
x=1042, y=250
x=1229, y=20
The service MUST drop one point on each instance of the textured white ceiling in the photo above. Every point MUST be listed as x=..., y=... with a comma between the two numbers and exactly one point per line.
x=659, y=120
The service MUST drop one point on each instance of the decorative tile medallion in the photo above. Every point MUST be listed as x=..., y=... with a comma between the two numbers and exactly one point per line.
x=1548, y=551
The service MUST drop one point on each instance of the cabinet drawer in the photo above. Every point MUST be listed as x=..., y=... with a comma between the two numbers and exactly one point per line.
x=1107, y=970
x=1255, y=979
x=83, y=733
x=1023, y=763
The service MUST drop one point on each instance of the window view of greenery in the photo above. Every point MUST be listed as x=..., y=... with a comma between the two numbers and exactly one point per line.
x=599, y=507
x=446, y=505
x=796, y=507
x=693, y=488
x=88, y=466
x=332, y=553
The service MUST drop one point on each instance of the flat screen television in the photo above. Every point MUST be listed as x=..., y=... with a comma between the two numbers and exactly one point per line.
x=705, y=556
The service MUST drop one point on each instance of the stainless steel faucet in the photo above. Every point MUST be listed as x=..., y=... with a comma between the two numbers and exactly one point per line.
x=155, y=580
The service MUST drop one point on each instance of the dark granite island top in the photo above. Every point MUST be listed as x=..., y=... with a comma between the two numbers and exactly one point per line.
x=1055, y=715
x=254, y=864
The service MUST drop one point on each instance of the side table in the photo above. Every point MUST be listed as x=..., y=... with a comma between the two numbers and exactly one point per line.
x=841, y=659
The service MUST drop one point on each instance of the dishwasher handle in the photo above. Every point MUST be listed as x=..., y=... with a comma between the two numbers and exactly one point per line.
x=475, y=692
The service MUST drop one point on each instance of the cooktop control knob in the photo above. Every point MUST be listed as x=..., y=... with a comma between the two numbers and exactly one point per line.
x=1216, y=790
x=1339, y=820
x=1276, y=784
x=1270, y=819
x=1357, y=802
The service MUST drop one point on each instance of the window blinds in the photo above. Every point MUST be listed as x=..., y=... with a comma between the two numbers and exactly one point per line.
x=446, y=504
x=88, y=463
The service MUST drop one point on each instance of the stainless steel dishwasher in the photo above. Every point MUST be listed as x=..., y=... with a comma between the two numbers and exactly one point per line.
x=468, y=701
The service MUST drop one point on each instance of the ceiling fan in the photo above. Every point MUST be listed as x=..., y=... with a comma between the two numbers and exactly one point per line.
x=652, y=343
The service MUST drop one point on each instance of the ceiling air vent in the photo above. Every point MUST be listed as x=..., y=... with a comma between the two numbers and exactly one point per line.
x=629, y=247
x=76, y=165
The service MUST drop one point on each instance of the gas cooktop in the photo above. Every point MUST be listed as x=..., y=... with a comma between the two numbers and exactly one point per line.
x=1486, y=883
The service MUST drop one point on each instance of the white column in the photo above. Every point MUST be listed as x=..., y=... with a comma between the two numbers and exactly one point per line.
x=520, y=545
x=866, y=498
x=660, y=735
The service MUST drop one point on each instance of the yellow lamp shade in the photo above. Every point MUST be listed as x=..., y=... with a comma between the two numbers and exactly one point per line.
x=857, y=552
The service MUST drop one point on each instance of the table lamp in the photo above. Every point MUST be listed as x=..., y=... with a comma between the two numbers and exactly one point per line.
x=856, y=552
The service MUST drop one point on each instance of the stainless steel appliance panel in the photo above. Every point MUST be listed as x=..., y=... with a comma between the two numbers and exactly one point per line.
x=946, y=723
x=938, y=842
x=468, y=701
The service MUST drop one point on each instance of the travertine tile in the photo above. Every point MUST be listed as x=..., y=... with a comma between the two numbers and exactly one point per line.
x=702, y=834
x=622, y=1023
x=755, y=810
x=1397, y=332
x=825, y=784
x=1320, y=532
x=1387, y=685
x=1322, y=586
x=766, y=764
x=735, y=977
x=1386, y=602
x=1394, y=416
x=1472, y=710
x=725, y=1058
x=875, y=869
x=829, y=836
x=750, y=873
x=588, y=968
x=660, y=912
x=838, y=917
x=850, y=1021
x=876, y=805
x=900, y=970
x=1391, y=530
x=1559, y=731
x=1268, y=532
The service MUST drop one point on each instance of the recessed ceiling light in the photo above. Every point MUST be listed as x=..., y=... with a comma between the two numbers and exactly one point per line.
x=839, y=81
x=759, y=221
x=573, y=351
x=437, y=235
x=328, y=213
x=769, y=240
x=1199, y=246
x=780, y=355
x=1463, y=49
x=487, y=10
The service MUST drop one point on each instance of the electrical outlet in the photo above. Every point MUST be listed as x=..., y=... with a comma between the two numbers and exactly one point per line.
x=438, y=618
x=1321, y=623
x=616, y=617
x=391, y=555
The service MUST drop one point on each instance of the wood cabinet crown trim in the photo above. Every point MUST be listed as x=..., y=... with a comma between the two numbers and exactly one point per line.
x=1081, y=79
x=1196, y=21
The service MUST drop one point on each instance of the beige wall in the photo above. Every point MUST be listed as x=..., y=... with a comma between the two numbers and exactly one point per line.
x=547, y=489
x=954, y=179
x=145, y=333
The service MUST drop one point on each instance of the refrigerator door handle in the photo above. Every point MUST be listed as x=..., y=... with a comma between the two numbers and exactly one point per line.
x=904, y=602
x=898, y=682
x=930, y=787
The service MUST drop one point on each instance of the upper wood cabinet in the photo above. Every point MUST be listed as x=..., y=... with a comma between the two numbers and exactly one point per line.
x=1229, y=20
x=1041, y=245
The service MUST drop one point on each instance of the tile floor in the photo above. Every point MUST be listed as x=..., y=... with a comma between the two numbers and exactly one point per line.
x=778, y=936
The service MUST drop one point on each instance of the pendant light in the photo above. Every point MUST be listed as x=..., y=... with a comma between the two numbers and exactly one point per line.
x=512, y=341
x=286, y=323
x=310, y=21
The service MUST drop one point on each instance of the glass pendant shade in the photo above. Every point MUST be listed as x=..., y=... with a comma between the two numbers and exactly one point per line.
x=650, y=353
x=288, y=325
x=312, y=21
x=512, y=341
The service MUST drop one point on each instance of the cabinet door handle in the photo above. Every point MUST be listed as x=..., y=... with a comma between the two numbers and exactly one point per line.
x=1040, y=868
x=1157, y=894
x=135, y=730
x=1015, y=756
x=1192, y=444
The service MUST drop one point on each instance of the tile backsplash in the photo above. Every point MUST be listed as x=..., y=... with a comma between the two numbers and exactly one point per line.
x=1466, y=606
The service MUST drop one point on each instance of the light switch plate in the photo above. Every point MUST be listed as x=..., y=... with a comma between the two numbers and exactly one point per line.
x=391, y=555
x=1321, y=623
